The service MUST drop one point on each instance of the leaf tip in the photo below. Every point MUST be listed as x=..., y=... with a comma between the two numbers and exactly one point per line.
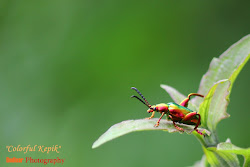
x=228, y=140
x=163, y=86
x=97, y=143
x=94, y=145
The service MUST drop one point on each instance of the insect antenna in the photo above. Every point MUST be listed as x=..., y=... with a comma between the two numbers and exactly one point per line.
x=140, y=100
x=147, y=104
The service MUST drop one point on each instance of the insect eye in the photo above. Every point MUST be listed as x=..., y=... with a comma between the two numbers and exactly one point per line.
x=154, y=108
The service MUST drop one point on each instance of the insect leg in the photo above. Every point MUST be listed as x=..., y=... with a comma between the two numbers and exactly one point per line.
x=195, y=128
x=152, y=116
x=189, y=117
x=185, y=101
x=158, y=122
x=177, y=127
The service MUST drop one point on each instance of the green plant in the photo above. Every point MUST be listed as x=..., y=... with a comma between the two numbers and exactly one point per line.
x=216, y=85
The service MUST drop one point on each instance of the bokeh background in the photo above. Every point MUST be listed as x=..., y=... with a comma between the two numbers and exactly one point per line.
x=66, y=68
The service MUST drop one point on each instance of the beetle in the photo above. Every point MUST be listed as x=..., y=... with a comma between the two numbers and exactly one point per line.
x=175, y=112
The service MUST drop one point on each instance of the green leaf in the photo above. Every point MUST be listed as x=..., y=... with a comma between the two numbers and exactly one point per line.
x=225, y=154
x=129, y=126
x=220, y=159
x=202, y=163
x=178, y=97
x=227, y=66
x=213, y=108
x=228, y=147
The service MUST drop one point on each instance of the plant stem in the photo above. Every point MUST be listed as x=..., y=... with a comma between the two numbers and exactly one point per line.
x=208, y=141
x=212, y=140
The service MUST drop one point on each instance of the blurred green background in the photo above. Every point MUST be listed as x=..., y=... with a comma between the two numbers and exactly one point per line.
x=66, y=68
